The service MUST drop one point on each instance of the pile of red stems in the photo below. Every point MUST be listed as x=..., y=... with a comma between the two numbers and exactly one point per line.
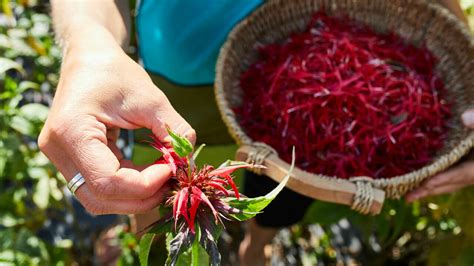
x=353, y=102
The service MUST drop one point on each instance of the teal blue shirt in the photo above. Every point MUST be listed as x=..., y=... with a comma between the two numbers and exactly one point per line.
x=180, y=39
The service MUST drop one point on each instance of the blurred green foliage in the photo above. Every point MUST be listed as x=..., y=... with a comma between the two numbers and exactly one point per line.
x=436, y=231
x=29, y=184
x=405, y=233
x=468, y=7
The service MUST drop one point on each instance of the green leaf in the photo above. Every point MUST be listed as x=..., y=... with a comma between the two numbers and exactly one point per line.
x=209, y=234
x=34, y=112
x=185, y=258
x=37, y=173
x=7, y=64
x=231, y=163
x=400, y=221
x=41, y=193
x=199, y=256
x=13, y=257
x=145, y=245
x=22, y=125
x=3, y=163
x=55, y=191
x=8, y=220
x=26, y=85
x=252, y=206
x=181, y=242
x=163, y=225
x=181, y=145
x=40, y=160
x=64, y=243
x=13, y=103
x=325, y=213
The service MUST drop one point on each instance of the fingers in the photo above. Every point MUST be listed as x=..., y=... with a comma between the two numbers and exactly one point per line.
x=128, y=183
x=97, y=203
x=424, y=192
x=447, y=182
x=85, y=149
x=97, y=206
x=155, y=112
x=468, y=118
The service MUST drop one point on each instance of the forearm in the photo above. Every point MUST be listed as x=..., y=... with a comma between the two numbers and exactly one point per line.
x=89, y=23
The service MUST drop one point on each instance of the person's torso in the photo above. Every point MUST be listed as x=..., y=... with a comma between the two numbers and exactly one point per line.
x=180, y=39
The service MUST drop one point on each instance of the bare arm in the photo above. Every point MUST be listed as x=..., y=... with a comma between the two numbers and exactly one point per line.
x=101, y=90
x=84, y=22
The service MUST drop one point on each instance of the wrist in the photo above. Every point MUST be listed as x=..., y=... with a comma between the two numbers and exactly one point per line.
x=90, y=41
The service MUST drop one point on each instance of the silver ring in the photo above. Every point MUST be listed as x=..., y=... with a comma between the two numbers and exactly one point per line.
x=77, y=181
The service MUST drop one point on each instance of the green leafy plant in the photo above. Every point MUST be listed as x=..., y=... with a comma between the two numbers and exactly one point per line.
x=30, y=190
x=200, y=199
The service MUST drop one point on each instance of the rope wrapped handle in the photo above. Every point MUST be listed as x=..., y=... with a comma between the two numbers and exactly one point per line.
x=359, y=192
x=259, y=154
x=364, y=196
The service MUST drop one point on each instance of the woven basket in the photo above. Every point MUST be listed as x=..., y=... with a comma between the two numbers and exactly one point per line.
x=416, y=21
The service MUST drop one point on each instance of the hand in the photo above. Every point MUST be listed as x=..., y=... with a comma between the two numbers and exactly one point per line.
x=451, y=180
x=99, y=92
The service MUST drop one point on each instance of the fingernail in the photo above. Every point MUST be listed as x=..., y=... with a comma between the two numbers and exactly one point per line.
x=167, y=139
x=468, y=118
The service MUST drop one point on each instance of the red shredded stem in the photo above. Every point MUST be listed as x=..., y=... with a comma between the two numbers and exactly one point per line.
x=352, y=102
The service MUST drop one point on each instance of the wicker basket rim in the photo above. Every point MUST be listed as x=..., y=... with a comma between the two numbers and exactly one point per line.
x=392, y=185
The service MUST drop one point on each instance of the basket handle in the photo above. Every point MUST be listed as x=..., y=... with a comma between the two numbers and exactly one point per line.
x=357, y=193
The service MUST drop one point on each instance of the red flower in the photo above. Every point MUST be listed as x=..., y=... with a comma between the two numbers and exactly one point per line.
x=198, y=192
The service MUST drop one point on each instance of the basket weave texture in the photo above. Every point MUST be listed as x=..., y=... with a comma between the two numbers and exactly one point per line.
x=416, y=21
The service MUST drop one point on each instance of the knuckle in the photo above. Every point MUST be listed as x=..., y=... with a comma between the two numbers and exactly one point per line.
x=48, y=133
x=143, y=207
x=59, y=128
x=148, y=190
x=160, y=96
x=93, y=207
x=43, y=141
x=54, y=130
x=103, y=188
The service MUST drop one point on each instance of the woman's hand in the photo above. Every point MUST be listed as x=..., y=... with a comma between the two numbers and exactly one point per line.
x=451, y=180
x=100, y=91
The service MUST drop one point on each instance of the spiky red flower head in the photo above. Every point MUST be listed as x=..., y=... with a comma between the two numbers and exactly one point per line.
x=193, y=186
x=200, y=199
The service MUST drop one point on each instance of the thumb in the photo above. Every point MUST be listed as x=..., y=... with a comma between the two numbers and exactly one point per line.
x=468, y=118
x=155, y=112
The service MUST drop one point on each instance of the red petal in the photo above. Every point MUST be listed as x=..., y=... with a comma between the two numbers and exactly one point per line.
x=182, y=204
x=218, y=186
x=195, y=201
x=228, y=169
x=175, y=206
x=167, y=157
x=232, y=184
x=218, y=180
x=196, y=191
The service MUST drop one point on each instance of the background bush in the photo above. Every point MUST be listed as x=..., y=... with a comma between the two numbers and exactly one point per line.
x=31, y=196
